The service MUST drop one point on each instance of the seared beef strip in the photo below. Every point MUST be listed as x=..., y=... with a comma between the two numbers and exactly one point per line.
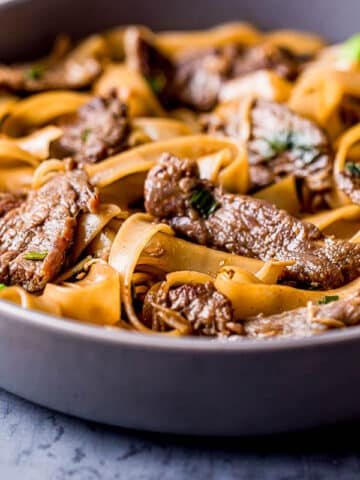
x=304, y=322
x=243, y=225
x=268, y=57
x=349, y=182
x=8, y=201
x=98, y=130
x=208, y=311
x=62, y=70
x=35, y=236
x=195, y=81
x=281, y=143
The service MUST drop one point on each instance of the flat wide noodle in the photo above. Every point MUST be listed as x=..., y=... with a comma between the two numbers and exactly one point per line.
x=282, y=194
x=261, y=84
x=40, y=109
x=177, y=43
x=131, y=88
x=126, y=249
x=100, y=288
x=234, y=176
x=21, y=297
x=251, y=298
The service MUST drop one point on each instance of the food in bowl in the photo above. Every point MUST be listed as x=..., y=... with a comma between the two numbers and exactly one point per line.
x=185, y=183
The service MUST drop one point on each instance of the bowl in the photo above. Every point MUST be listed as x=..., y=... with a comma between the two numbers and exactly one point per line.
x=179, y=385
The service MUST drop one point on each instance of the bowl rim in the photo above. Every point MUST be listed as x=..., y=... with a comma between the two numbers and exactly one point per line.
x=114, y=336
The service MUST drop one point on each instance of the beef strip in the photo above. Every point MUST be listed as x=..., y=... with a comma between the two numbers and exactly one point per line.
x=45, y=224
x=198, y=80
x=61, y=70
x=281, y=143
x=195, y=80
x=304, y=322
x=268, y=57
x=208, y=311
x=8, y=201
x=349, y=183
x=98, y=130
x=246, y=226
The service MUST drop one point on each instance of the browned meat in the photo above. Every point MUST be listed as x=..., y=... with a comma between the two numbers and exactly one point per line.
x=60, y=70
x=246, y=226
x=98, y=130
x=281, y=143
x=349, y=181
x=8, y=201
x=268, y=57
x=199, y=78
x=155, y=66
x=208, y=311
x=36, y=235
x=304, y=322
x=195, y=81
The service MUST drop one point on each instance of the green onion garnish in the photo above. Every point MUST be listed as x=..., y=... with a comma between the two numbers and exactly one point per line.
x=351, y=48
x=353, y=168
x=328, y=299
x=35, y=72
x=287, y=140
x=281, y=142
x=202, y=199
x=85, y=135
x=2, y=286
x=35, y=255
x=157, y=82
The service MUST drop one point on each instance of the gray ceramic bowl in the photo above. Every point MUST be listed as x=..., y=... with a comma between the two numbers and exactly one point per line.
x=192, y=386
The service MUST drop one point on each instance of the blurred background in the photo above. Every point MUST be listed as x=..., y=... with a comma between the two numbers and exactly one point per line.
x=29, y=25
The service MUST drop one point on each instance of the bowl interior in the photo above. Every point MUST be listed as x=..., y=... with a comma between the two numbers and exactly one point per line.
x=28, y=26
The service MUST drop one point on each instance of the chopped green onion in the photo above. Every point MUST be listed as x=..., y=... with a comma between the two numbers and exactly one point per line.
x=351, y=48
x=278, y=143
x=35, y=72
x=328, y=299
x=287, y=140
x=35, y=255
x=85, y=134
x=203, y=200
x=353, y=168
x=157, y=82
x=2, y=286
x=281, y=142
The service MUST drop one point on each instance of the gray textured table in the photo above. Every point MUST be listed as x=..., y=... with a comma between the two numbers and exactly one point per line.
x=38, y=444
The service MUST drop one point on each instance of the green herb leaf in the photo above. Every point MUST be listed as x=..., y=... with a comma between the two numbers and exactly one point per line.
x=281, y=142
x=202, y=199
x=277, y=144
x=157, y=82
x=35, y=72
x=85, y=134
x=328, y=299
x=2, y=286
x=351, y=48
x=287, y=140
x=36, y=255
x=353, y=168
